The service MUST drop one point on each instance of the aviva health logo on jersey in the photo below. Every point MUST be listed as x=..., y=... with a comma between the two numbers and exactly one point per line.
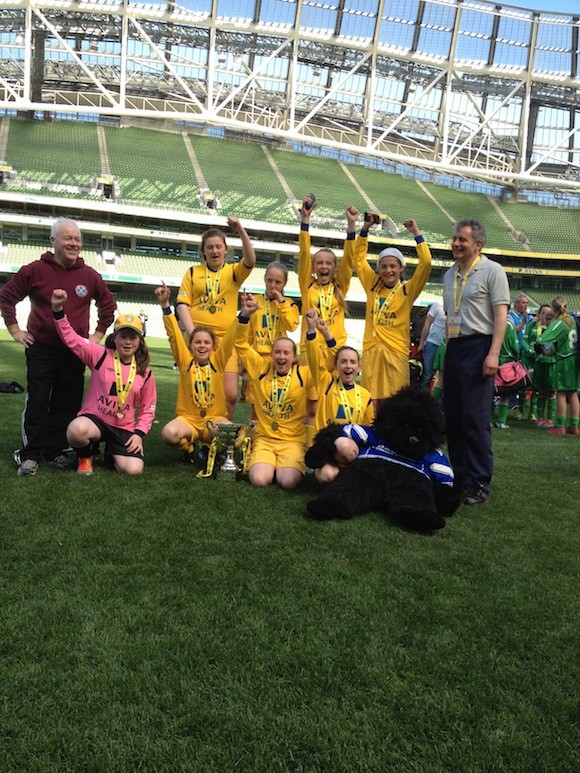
x=81, y=291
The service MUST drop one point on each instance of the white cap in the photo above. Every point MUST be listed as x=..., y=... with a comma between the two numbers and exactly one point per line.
x=391, y=252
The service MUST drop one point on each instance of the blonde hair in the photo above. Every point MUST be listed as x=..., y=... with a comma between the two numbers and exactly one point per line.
x=337, y=288
x=560, y=307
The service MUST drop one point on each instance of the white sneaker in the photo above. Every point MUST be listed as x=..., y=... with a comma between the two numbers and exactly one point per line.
x=28, y=467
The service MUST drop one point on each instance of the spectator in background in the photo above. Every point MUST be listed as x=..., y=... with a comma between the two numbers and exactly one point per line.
x=476, y=300
x=54, y=374
x=519, y=317
x=208, y=295
x=432, y=336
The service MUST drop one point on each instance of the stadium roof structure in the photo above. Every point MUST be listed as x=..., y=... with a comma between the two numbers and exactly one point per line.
x=479, y=89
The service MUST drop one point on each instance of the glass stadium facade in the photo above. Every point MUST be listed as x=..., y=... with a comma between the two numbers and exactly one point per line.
x=466, y=87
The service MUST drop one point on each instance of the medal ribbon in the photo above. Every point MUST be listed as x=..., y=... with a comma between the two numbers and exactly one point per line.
x=272, y=317
x=123, y=391
x=379, y=312
x=212, y=284
x=325, y=300
x=457, y=299
x=352, y=414
x=202, y=384
x=278, y=398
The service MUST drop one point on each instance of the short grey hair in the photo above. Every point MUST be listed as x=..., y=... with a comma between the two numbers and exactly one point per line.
x=477, y=229
x=62, y=221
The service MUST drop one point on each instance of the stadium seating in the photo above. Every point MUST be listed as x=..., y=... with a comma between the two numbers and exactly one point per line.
x=152, y=168
x=62, y=152
x=549, y=229
x=240, y=175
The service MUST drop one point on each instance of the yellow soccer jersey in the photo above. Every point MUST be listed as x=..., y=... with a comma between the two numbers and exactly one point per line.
x=321, y=297
x=284, y=421
x=212, y=296
x=393, y=327
x=200, y=393
x=270, y=321
x=337, y=404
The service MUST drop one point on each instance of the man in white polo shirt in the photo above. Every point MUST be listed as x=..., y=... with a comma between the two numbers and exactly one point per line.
x=476, y=300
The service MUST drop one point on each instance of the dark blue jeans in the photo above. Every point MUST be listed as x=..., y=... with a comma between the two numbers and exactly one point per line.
x=467, y=399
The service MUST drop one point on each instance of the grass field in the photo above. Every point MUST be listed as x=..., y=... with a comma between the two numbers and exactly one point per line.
x=174, y=624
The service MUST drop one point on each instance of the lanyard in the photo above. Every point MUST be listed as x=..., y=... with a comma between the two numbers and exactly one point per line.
x=325, y=300
x=123, y=390
x=279, y=397
x=212, y=285
x=271, y=316
x=202, y=387
x=458, y=299
x=379, y=311
x=350, y=413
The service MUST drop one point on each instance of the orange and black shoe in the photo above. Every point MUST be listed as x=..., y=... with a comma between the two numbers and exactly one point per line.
x=85, y=465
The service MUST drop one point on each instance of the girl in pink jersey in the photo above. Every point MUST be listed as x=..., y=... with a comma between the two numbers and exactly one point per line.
x=120, y=404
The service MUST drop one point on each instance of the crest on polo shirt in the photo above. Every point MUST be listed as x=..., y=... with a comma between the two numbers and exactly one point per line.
x=81, y=291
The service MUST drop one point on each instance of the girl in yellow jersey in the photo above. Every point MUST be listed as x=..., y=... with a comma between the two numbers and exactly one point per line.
x=208, y=295
x=280, y=387
x=201, y=400
x=323, y=283
x=275, y=317
x=340, y=399
x=387, y=336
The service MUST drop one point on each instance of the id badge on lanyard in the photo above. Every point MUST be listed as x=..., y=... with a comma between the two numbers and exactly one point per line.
x=454, y=325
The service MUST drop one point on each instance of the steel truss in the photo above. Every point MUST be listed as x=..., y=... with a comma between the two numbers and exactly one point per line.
x=364, y=96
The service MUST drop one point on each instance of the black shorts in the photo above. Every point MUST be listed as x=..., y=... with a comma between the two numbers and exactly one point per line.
x=114, y=438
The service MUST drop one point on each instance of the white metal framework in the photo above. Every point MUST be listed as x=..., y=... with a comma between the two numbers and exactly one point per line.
x=466, y=86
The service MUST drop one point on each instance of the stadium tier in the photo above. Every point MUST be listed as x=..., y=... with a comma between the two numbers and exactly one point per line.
x=157, y=168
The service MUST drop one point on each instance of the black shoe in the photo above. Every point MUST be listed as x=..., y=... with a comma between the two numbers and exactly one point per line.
x=477, y=496
x=188, y=458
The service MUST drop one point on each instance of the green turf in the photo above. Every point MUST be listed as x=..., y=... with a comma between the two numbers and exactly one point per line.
x=174, y=624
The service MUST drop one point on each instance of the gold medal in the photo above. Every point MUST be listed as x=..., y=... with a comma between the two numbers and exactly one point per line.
x=274, y=425
x=120, y=414
x=212, y=309
x=203, y=413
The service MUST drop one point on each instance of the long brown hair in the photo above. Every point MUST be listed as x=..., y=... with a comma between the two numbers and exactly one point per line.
x=141, y=355
x=208, y=234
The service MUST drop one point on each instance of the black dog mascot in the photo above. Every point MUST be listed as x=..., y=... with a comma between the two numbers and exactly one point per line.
x=399, y=469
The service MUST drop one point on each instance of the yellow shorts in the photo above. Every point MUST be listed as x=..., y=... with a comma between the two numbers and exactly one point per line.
x=384, y=371
x=278, y=453
x=199, y=429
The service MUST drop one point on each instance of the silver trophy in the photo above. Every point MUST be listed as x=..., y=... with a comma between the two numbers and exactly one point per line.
x=228, y=434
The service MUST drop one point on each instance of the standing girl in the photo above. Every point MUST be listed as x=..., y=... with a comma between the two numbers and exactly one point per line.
x=201, y=399
x=120, y=404
x=560, y=339
x=280, y=387
x=340, y=399
x=324, y=283
x=387, y=336
x=275, y=316
x=208, y=295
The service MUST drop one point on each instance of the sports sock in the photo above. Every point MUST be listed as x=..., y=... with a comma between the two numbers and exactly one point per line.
x=85, y=451
x=502, y=413
x=437, y=393
x=541, y=406
x=561, y=421
x=551, y=408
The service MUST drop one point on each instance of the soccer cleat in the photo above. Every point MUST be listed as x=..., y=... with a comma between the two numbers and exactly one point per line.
x=62, y=462
x=556, y=431
x=28, y=467
x=533, y=418
x=500, y=425
x=573, y=431
x=85, y=465
x=476, y=496
x=546, y=424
